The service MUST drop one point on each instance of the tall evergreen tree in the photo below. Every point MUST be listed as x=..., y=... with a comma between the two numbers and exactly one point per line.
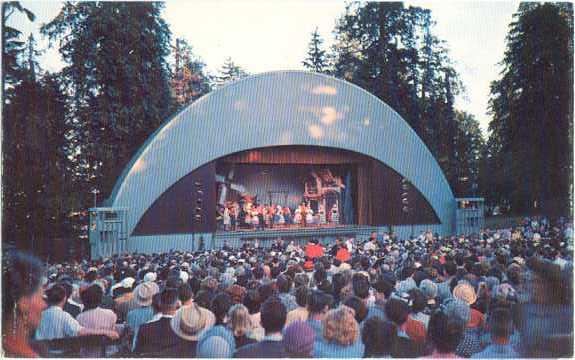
x=316, y=59
x=532, y=108
x=230, y=72
x=118, y=75
x=189, y=79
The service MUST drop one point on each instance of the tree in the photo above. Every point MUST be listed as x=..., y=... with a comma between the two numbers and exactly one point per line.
x=532, y=110
x=468, y=150
x=230, y=72
x=118, y=76
x=12, y=47
x=316, y=57
x=189, y=78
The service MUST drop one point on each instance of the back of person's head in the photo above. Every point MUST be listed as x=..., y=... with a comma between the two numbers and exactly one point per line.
x=273, y=315
x=325, y=286
x=301, y=296
x=220, y=305
x=252, y=301
x=185, y=293
x=444, y=332
x=239, y=320
x=204, y=298
x=450, y=268
x=301, y=279
x=360, y=284
x=266, y=291
x=397, y=311
x=319, y=275
x=168, y=300
x=378, y=336
x=501, y=324
x=68, y=287
x=284, y=283
x=92, y=297
x=340, y=326
x=298, y=339
x=418, y=301
x=318, y=302
x=55, y=295
x=156, y=305
x=258, y=272
x=383, y=286
x=358, y=305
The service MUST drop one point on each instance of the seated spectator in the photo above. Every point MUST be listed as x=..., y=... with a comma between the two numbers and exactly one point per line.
x=185, y=295
x=418, y=304
x=445, y=334
x=220, y=305
x=155, y=337
x=318, y=305
x=299, y=339
x=273, y=317
x=187, y=324
x=459, y=311
x=301, y=312
x=284, y=284
x=94, y=317
x=143, y=295
x=57, y=324
x=240, y=323
x=340, y=338
x=501, y=328
x=406, y=345
x=216, y=342
x=383, y=290
x=378, y=336
x=358, y=307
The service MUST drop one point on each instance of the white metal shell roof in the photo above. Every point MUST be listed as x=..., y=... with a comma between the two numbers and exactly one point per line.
x=279, y=108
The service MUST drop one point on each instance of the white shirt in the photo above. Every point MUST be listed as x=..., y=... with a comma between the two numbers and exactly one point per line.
x=57, y=324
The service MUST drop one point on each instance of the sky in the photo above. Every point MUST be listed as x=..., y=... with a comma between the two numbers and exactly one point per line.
x=264, y=36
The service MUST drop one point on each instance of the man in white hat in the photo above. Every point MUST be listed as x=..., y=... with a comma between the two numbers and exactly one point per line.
x=142, y=302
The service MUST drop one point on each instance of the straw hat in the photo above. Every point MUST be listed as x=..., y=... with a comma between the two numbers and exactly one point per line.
x=189, y=321
x=144, y=292
x=465, y=292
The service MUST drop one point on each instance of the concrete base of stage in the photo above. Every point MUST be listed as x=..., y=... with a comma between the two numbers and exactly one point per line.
x=235, y=239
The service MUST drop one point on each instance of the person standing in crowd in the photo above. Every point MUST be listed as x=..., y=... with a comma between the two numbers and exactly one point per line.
x=340, y=337
x=383, y=290
x=501, y=328
x=144, y=311
x=22, y=302
x=299, y=339
x=155, y=337
x=273, y=317
x=58, y=324
x=187, y=324
x=301, y=312
x=445, y=334
x=93, y=316
x=241, y=325
x=284, y=285
x=318, y=305
x=378, y=337
x=408, y=344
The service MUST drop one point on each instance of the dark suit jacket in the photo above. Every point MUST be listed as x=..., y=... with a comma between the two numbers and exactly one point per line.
x=262, y=349
x=156, y=339
x=72, y=309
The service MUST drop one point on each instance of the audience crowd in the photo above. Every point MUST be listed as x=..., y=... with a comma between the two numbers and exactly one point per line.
x=502, y=293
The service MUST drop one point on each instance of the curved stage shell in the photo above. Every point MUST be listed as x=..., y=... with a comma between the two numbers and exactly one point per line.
x=275, y=109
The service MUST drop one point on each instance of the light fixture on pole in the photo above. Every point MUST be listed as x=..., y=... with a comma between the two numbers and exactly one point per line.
x=95, y=192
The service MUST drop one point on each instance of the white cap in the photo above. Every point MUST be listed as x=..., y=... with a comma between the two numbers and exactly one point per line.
x=128, y=282
x=151, y=276
x=184, y=276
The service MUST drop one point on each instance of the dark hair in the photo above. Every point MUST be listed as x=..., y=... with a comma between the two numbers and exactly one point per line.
x=381, y=285
x=317, y=301
x=252, y=301
x=445, y=333
x=397, y=311
x=501, y=323
x=185, y=293
x=168, y=299
x=273, y=315
x=92, y=296
x=301, y=295
x=320, y=275
x=450, y=268
x=360, y=285
x=156, y=303
x=55, y=294
x=204, y=298
x=378, y=337
x=91, y=276
x=68, y=287
x=418, y=301
x=266, y=291
x=326, y=287
x=358, y=306
x=220, y=305
x=284, y=283
x=21, y=277
x=258, y=272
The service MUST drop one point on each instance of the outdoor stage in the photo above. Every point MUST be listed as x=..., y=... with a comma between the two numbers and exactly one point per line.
x=283, y=141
